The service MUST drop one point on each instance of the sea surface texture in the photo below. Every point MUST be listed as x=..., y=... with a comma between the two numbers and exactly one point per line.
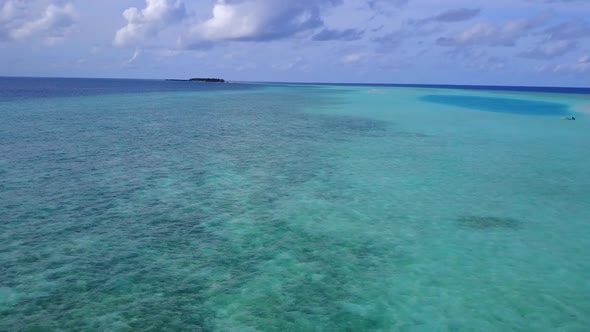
x=130, y=205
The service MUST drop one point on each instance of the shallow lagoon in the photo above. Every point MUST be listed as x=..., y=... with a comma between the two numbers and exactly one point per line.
x=294, y=208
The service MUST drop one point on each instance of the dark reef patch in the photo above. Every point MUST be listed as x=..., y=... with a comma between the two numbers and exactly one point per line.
x=488, y=222
x=407, y=134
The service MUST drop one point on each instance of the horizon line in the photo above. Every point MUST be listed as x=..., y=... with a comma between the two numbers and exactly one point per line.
x=323, y=83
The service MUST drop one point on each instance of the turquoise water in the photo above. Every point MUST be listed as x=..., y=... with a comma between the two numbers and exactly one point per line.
x=297, y=208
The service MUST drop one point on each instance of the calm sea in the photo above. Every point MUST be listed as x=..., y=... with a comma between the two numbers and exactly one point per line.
x=144, y=205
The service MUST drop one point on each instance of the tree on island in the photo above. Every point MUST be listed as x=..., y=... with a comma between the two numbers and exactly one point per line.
x=198, y=79
x=208, y=80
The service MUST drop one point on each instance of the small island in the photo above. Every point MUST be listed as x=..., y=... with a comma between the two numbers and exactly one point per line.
x=198, y=79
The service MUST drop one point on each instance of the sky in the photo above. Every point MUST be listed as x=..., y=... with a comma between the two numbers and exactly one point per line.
x=499, y=42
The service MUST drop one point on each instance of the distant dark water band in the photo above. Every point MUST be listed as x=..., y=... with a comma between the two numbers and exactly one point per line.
x=500, y=105
x=568, y=90
x=21, y=88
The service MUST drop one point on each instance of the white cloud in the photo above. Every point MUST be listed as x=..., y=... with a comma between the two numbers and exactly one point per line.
x=156, y=16
x=385, y=7
x=19, y=21
x=54, y=19
x=10, y=9
x=572, y=29
x=449, y=16
x=133, y=57
x=352, y=58
x=232, y=21
x=550, y=49
x=259, y=20
x=167, y=52
x=493, y=34
x=9, y=12
x=581, y=66
x=297, y=63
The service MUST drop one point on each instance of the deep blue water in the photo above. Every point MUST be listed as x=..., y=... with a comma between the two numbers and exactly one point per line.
x=22, y=88
x=15, y=88
x=500, y=105
x=506, y=88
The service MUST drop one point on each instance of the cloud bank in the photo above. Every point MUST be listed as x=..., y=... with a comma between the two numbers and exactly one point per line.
x=20, y=21
x=489, y=34
x=148, y=22
x=260, y=20
x=342, y=39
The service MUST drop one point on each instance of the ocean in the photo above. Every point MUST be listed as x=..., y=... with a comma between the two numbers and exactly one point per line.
x=146, y=205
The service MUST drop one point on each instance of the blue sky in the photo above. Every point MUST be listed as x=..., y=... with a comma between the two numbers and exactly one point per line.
x=505, y=42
